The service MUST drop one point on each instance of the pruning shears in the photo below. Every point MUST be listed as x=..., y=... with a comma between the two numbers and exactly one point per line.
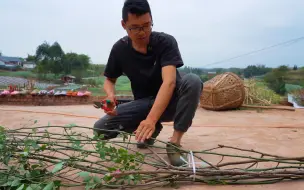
x=104, y=104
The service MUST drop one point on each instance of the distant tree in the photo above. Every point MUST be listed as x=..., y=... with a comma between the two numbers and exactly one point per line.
x=219, y=70
x=76, y=64
x=283, y=68
x=237, y=71
x=295, y=67
x=49, y=58
x=253, y=70
x=0, y=53
x=204, y=78
x=30, y=58
x=275, y=79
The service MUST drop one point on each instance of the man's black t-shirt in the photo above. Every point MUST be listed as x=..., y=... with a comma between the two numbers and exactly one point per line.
x=144, y=70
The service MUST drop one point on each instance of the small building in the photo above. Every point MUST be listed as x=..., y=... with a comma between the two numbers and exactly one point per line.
x=68, y=78
x=15, y=61
x=2, y=64
x=29, y=65
x=211, y=74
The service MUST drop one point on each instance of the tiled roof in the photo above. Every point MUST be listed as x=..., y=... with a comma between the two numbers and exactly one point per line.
x=8, y=59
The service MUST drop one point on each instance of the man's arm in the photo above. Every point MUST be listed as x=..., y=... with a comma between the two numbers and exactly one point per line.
x=164, y=94
x=147, y=127
x=109, y=86
x=170, y=60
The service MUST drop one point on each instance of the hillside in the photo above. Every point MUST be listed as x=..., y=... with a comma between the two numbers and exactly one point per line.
x=295, y=77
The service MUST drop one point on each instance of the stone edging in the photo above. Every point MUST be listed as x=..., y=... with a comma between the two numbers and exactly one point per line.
x=45, y=100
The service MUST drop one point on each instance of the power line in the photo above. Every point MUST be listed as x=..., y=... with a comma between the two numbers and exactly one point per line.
x=292, y=41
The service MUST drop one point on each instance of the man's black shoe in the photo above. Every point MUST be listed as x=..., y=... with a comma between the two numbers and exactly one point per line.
x=145, y=144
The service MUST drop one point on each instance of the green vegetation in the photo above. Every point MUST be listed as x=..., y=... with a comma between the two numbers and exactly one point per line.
x=29, y=74
x=259, y=93
x=52, y=62
x=279, y=77
x=23, y=74
x=253, y=70
x=292, y=87
x=51, y=59
x=59, y=157
x=123, y=85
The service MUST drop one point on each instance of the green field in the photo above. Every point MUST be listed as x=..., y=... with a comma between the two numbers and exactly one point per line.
x=29, y=74
x=123, y=85
x=23, y=74
x=295, y=77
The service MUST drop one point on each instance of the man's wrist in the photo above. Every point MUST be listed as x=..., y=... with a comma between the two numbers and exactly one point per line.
x=152, y=119
x=111, y=95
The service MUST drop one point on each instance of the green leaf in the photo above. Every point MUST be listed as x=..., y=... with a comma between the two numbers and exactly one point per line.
x=43, y=147
x=57, y=183
x=97, y=179
x=111, y=169
x=102, y=154
x=71, y=125
x=35, y=121
x=21, y=187
x=34, y=130
x=29, y=188
x=6, y=159
x=85, y=175
x=107, y=178
x=131, y=177
x=58, y=167
x=16, y=182
x=35, y=186
x=49, y=186
x=24, y=153
x=90, y=186
x=35, y=145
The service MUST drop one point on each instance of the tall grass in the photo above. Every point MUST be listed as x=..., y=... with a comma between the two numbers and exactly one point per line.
x=258, y=93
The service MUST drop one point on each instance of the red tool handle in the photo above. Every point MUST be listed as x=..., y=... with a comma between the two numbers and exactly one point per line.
x=106, y=102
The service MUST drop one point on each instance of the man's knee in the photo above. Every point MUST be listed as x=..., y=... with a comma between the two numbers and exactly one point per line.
x=194, y=82
x=107, y=127
x=99, y=126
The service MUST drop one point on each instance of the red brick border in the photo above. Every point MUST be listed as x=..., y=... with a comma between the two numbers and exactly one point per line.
x=45, y=100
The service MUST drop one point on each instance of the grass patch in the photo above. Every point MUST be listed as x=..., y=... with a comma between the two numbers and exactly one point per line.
x=123, y=84
x=257, y=93
x=292, y=87
x=23, y=74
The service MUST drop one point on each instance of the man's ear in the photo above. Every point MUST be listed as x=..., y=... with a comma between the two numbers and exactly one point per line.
x=123, y=24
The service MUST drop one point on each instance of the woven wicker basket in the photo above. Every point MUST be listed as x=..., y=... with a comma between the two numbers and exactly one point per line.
x=223, y=92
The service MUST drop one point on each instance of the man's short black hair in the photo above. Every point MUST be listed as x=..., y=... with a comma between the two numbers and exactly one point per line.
x=137, y=7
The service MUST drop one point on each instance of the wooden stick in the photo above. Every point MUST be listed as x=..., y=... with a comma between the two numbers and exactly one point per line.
x=269, y=107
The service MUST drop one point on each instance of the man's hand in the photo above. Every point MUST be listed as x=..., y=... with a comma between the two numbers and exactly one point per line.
x=109, y=88
x=111, y=106
x=145, y=130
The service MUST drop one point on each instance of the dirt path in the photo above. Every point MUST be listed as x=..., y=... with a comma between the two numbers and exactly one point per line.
x=276, y=132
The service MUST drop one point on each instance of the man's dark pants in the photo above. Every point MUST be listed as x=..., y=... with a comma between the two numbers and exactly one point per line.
x=181, y=110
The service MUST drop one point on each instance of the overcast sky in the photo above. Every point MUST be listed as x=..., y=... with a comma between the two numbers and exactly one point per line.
x=207, y=30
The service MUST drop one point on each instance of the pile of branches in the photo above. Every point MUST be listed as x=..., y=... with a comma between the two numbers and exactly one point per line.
x=50, y=157
x=257, y=94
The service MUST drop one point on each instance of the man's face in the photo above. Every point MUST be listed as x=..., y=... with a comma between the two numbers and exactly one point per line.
x=138, y=28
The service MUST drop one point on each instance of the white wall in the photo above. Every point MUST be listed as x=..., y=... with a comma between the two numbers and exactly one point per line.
x=29, y=66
